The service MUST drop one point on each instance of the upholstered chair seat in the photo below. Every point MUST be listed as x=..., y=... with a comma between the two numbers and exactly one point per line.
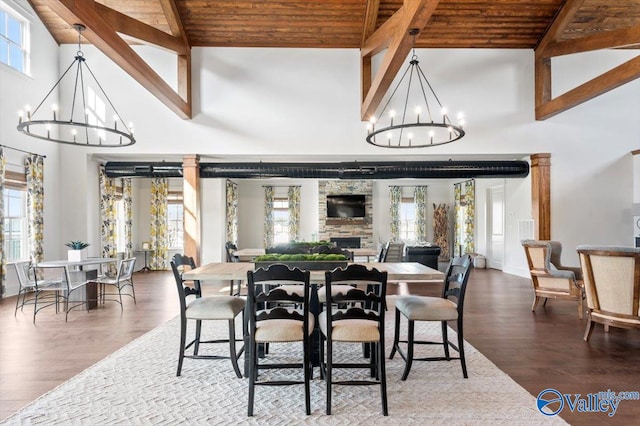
x=283, y=330
x=422, y=308
x=353, y=330
x=215, y=308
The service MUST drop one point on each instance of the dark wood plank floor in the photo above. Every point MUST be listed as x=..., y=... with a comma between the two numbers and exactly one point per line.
x=538, y=350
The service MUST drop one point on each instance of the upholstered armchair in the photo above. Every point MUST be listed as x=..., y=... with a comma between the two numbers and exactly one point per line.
x=612, y=285
x=549, y=278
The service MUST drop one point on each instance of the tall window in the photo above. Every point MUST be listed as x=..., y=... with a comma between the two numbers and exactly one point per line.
x=407, y=219
x=280, y=221
x=15, y=217
x=175, y=225
x=121, y=242
x=14, y=39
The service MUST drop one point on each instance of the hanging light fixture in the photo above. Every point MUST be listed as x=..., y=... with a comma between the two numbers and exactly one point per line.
x=90, y=119
x=422, y=122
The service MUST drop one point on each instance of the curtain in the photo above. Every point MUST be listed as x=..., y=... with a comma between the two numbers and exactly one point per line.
x=420, y=200
x=395, y=194
x=108, y=217
x=128, y=217
x=232, y=212
x=159, y=238
x=268, y=216
x=470, y=217
x=457, y=212
x=294, y=212
x=34, y=168
x=3, y=255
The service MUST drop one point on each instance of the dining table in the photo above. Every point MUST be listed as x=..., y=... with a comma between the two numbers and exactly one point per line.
x=248, y=254
x=397, y=272
x=78, y=272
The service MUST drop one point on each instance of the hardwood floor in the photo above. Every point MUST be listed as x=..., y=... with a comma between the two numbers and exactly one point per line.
x=538, y=350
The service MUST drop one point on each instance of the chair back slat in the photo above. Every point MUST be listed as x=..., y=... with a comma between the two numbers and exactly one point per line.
x=267, y=301
x=360, y=304
x=177, y=266
x=456, y=279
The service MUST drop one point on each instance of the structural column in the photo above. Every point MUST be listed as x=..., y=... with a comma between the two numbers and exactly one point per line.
x=191, y=203
x=635, y=208
x=541, y=195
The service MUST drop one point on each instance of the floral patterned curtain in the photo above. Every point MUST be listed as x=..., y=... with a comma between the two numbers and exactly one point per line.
x=457, y=212
x=34, y=168
x=268, y=216
x=3, y=255
x=232, y=212
x=470, y=217
x=420, y=200
x=128, y=217
x=108, y=216
x=294, y=212
x=395, y=194
x=159, y=225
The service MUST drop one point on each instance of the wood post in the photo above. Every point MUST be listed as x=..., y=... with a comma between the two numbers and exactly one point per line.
x=541, y=195
x=191, y=203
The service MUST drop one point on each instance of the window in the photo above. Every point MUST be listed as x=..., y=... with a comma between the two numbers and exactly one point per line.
x=175, y=225
x=14, y=39
x=407, y=219
x=16, y=243
x=280, y=220
x=121, y=242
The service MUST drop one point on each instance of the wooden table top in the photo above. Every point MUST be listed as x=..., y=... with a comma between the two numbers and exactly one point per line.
x=396, y=272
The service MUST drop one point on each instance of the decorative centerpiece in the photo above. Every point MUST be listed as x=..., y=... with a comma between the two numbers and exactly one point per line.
x=77, y=252
x=308, y=262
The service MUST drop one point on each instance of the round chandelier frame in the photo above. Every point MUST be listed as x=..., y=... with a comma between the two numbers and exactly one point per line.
x=86, y=123
x=435, y=129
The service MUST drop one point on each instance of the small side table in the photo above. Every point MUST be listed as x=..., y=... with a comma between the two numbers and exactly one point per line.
x=145, y=268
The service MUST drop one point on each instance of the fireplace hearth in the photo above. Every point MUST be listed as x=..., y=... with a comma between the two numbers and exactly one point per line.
x=346, y=242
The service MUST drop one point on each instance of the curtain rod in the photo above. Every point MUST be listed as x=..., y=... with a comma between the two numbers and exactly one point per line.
x=464, y=181
x=408, y=186
x=22, y=150
x=282, y=186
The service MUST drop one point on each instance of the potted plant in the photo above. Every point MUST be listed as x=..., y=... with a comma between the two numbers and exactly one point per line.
x=77, y=251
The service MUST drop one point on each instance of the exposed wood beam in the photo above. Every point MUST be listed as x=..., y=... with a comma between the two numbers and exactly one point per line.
x=370, y=19
x=616, y=77
x=560, y=22
x=541, y=195
x=602, y=40
x=412, y=14
x=104, y=37
x=124, y=24
x=174, y=20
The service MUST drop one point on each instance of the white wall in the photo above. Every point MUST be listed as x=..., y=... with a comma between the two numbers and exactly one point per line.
x=292, y=104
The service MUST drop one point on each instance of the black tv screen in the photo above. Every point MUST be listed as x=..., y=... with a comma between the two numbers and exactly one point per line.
x=345, y=206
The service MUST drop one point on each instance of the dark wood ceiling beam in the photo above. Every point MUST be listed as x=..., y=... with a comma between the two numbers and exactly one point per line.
x=605, y=82
x=603, y=40
x=124, y=24
x=105, y=38
x=412, y=14
x=560, y=22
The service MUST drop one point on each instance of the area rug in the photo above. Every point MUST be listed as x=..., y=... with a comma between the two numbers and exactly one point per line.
x=138, y=385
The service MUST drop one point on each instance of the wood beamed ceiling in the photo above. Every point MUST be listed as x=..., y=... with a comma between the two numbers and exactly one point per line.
x=550, y=27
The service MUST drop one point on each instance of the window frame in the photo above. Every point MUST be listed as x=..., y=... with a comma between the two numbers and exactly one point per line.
x=175, y=198
x=17, y=182
x=25, y=35
x=407, y=228
x=281, y=204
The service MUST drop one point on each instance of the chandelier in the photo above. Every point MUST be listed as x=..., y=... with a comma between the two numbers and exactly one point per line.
x=84, y=121
x=427, y=125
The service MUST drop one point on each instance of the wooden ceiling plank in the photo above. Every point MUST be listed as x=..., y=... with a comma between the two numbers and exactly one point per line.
x=603, y=40
x=560, y=22
x=413, y=14
x=100, y=34
x=124, y=24
x=370, y=19
x=605, y=82
x=174, y=20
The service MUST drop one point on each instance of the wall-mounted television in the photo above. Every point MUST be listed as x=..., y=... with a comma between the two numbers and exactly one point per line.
x=345, y=205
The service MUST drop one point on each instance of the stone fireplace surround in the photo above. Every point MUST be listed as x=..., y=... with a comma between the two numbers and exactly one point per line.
x=360, y=227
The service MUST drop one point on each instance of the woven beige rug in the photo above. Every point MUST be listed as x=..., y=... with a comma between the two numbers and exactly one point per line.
x=137, y=385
